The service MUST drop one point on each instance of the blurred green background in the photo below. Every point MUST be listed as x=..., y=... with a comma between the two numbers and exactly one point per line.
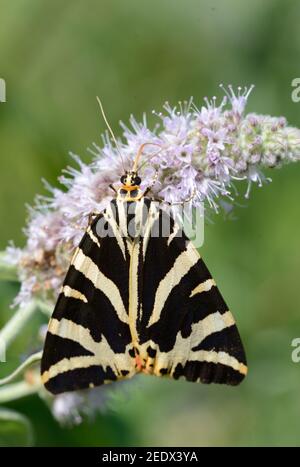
x=56, y=57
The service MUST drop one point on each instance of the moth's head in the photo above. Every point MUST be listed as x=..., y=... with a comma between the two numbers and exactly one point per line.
x=130, y=178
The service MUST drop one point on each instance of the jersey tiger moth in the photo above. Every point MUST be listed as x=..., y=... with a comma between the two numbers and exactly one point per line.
x=135, y=302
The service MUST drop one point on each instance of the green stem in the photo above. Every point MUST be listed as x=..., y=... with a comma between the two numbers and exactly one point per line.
x=18, y=390
x=45, y=308
x=30, y=360
x=8, y=272
x=16, y=323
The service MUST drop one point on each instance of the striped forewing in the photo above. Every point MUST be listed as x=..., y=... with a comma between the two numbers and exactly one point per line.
x=139, y=301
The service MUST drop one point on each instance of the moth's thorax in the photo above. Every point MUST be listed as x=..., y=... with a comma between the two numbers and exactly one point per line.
x=129, y=193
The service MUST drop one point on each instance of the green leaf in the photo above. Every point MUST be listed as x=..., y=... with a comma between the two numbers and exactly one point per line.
x=14, y=391
x=36, y=357
x=16, y=323
x=15, y=429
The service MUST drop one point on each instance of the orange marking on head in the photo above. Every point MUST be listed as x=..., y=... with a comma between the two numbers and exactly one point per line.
x=130, y=188
x=139, y=363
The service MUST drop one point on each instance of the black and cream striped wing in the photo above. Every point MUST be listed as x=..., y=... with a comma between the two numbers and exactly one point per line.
x=139, y=303
x=88, y=341
x=184, y=326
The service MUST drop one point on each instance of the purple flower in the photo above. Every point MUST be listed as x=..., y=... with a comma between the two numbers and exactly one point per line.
x=202, y=151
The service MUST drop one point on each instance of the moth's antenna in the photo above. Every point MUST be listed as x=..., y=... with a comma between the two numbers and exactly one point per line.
x=140, y=152
x=149, y=159
x=111, y=132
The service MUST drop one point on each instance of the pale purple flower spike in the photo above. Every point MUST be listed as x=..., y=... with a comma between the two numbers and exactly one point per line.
x=203, y=151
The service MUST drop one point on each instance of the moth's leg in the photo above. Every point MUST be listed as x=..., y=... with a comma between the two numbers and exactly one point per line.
x=192, y=196
x=160, y=200
x=77, y=227
x=90, y=220
x=146, y=191
x=92, y=215
x=149, y=188
x=177, y=203
x=113, y=188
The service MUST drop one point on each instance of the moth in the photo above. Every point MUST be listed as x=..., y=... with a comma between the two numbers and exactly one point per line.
x=133, y=302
